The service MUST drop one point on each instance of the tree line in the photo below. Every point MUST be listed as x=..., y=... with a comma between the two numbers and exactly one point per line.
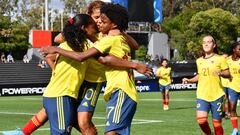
x=185, y=21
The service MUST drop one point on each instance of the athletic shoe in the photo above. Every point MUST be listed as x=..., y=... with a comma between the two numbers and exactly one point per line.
x=235, y=131
x=13, y=132
x=165, y=107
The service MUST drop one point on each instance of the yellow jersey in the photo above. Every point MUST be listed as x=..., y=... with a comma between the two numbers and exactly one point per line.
x=165, y=75
x=225, y=82
x=67, y=76
x=209, y=85
x=117, y=78
x=95, y=72
x=234, y=68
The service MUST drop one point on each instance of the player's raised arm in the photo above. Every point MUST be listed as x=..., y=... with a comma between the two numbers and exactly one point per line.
x=119, y=63
x=130, y=41
x=79, y=56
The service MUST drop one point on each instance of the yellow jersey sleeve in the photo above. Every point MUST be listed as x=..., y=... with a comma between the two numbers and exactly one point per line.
x=104, y=45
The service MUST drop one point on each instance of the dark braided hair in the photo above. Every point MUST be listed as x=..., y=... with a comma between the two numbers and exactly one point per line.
x=73, y=32
x=117, y=14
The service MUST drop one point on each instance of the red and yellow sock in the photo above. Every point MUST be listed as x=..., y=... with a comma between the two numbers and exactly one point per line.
x=217, y=124
x=31, y=126
x=166, y=101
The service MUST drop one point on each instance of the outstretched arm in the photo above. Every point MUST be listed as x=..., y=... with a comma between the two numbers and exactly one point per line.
x=124, y=64
x=192, y=80
x=131, y=41
x=79, y=56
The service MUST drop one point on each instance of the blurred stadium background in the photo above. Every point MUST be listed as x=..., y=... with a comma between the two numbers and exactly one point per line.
x=163, y=29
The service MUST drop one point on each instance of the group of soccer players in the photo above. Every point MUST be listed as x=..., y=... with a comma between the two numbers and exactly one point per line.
x=72, y=93
x=63, y=102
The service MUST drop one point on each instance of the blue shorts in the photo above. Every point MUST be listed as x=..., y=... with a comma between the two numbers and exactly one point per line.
x=216, y=107
x=226, y=91
x=88, y=101
x=233, y=95
x=163, y=88
x=120, y=111
x=61, y=112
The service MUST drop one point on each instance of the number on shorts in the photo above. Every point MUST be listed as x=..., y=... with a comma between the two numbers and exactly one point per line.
x=219, y=104
x=109, y=111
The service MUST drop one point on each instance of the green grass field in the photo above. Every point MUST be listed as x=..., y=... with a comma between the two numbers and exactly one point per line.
x=150, y=119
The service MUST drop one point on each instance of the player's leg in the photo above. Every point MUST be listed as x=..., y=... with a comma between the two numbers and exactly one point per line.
x=233, y=97
x=162, y=90
x=217, y=111
x=85, y=123
x=203, y=108
x=61, y=112
x=167, y=87
x=120, y=111
x=33, y=124
x=226, y=104
x=87, y=106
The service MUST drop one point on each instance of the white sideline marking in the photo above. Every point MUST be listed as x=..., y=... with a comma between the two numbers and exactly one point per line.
x=176, y=99
x=17, y=113
x=20, y=113
x=135, y=121
x=143, y=99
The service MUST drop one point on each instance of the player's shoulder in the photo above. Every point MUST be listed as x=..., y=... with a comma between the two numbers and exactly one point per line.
x=220, y=58
x=200, y=59
x=229, y=59
x=64, y=45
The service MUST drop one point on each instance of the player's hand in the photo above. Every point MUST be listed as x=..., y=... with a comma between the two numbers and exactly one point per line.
x=48, y=50
x=144, y=69
x=217, y=73
x=185, y=80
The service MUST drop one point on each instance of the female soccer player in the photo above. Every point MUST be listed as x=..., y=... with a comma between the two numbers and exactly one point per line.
x=211, y=67
x=164, y=73
x=120, y=92
x=234, y=85
x=225, y=83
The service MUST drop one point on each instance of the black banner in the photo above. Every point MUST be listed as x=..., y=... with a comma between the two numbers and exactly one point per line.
x=22, y=89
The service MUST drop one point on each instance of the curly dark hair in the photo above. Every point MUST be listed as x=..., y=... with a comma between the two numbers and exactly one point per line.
x=233, y=46
x=73, y=32
x=117, y=14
